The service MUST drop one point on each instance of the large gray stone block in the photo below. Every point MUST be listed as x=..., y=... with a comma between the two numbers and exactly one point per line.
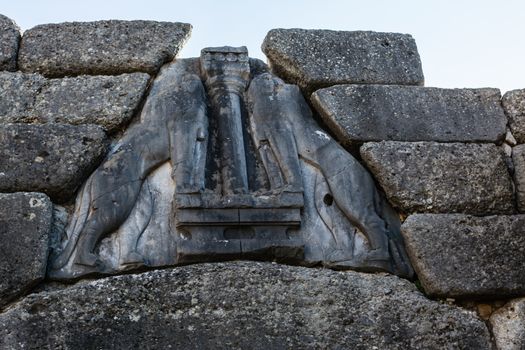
x=108, y=101
x=362, y=113
x=25, y=222
x=508, y=325
x=9, y=41
x=463, y=256
x=101, y=47
x=442, y=177
x=514, y=104
x=242, y=305
x=50, y=158
x=314, y=59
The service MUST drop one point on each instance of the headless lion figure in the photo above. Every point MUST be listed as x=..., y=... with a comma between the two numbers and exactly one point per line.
x=173, y=125
x=353, y=188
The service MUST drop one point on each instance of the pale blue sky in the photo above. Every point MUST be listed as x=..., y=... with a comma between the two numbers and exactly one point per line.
x=462, y=43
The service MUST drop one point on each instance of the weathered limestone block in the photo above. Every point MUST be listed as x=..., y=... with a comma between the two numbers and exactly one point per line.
x=518, y=159
x=362, y=113
x=108, y=101
x=314, y=59
x=514, y=104
x=241, y=305
x=101, y=47
x=50, y=158
x=25, y=222
x=508, y=325
x=461, y=256
x=9, y=41
x=442, y=177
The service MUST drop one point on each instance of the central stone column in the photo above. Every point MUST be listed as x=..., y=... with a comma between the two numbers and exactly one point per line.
x=233, y=218
x=227, y=72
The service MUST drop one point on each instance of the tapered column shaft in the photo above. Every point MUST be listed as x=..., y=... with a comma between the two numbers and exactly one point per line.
x=227, y=72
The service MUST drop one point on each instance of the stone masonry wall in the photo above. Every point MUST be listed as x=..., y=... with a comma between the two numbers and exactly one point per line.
x=450, y=161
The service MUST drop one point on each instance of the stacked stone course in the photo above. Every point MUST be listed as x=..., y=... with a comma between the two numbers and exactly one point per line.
x=440, y=155
x=450, y=161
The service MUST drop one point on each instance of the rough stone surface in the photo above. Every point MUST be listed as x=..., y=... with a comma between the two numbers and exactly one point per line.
x=514, y=104
x=518, y=160
x=461, y=256
x=25, y=222
x=9, y=41
x=442, y=177
x=361, y=113
x=18, y=92
x=508, y=325
x=50, y=158
x=108, y=101
x=314, y=59
x=243, y=305
x=101, y=47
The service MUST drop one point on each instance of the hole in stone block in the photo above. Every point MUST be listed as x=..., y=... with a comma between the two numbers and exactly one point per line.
x=328, y=199
x=185, y=235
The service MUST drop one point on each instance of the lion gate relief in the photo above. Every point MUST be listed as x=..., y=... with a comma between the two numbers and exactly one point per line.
x=227, y=162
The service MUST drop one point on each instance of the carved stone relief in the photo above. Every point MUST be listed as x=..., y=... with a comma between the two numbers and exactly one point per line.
x=227, y=162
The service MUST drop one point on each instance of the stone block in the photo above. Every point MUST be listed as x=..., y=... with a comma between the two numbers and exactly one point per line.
x=25, y=223
x=463, y=256
x=435, y=177
x=518, y=160
x=50, y=158
x=9, y=41
x=108, y=101
x=508, y=325
x=241, y=305
x=514, y=104
x=363, y=113
x=101, y=47
x=315, y=59
x=18, y=91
